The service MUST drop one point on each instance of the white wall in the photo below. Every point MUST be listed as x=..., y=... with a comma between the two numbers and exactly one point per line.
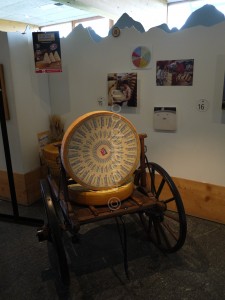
x=196, y=150
x=28, y=99
x=12, y=127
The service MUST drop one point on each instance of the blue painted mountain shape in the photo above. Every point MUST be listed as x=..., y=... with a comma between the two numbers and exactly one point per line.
x=207, y=15
x=125, y=21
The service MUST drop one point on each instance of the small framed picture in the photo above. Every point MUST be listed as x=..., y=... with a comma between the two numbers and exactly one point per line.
x=122, y=89
x=165, y=118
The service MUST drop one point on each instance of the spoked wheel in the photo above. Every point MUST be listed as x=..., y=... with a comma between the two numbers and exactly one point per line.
x=55, y=233
x=165, y=222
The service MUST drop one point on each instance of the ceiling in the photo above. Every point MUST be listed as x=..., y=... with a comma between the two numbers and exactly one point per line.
x=48, y=12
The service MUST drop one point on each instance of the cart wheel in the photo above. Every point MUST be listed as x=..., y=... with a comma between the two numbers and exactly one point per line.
x=165, y=222
x=55, y=232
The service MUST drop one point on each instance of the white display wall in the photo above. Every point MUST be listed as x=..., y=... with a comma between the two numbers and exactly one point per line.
x=28, y=100
x=195, y=151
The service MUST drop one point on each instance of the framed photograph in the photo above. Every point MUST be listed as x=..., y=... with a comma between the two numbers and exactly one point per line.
x=174, y=72
x=4, y=95
x=122, y=89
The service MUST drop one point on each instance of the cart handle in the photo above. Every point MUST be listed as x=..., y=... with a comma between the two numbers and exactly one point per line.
x=142, y=136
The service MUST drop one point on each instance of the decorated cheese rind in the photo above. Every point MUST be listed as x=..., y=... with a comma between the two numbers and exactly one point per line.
x=100, y=150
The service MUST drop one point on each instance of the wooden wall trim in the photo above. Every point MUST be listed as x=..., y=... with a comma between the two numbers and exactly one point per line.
x=202, y=200
x=27, y=186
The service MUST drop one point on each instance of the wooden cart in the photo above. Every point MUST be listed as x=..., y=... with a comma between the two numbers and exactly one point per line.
x=154, y=199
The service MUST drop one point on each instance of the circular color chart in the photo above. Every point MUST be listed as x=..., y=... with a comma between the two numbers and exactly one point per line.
x=100, y=150
x=141, y=57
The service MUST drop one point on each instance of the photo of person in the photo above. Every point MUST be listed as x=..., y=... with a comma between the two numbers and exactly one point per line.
x=122, y=89
x=174, y=72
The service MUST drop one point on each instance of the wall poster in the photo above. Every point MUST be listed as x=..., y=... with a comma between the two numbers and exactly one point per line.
x=47, y=52
x=43, y=140
x=141, y=57
x=174, y=72
x=122, y=89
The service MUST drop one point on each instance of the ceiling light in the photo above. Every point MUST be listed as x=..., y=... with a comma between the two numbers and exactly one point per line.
x=47, y=6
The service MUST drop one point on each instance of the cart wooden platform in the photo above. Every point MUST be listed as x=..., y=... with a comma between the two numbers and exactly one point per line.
x=155, y=200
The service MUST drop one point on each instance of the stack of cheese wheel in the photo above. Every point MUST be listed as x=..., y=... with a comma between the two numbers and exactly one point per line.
x=51, y=158
x=100, y=151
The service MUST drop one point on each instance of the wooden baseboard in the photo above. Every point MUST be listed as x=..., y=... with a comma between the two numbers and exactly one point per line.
x=27, y=186
x=202, y=200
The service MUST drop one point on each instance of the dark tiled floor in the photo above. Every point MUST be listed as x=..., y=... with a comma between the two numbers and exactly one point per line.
x=27, y=268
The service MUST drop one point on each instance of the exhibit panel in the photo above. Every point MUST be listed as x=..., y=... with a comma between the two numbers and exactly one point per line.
x=104, y=174
x=77, y=90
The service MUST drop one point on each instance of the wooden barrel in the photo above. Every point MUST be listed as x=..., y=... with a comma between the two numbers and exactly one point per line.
x=51, y=158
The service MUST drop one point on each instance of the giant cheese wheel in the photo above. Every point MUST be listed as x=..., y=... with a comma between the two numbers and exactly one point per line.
x=111, y=197
x=100, y=150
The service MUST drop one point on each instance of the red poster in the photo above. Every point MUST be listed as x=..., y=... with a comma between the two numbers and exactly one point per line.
x=47, y=53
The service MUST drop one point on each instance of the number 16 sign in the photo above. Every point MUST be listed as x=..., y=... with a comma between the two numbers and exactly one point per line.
x=202, y=105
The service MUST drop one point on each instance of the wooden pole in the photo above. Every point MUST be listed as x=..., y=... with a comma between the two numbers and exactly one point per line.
x=15, y=217
x=8, y=158
x=142, y=159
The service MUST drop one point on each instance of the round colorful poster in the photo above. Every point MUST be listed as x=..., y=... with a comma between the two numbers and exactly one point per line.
x=141, y=57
